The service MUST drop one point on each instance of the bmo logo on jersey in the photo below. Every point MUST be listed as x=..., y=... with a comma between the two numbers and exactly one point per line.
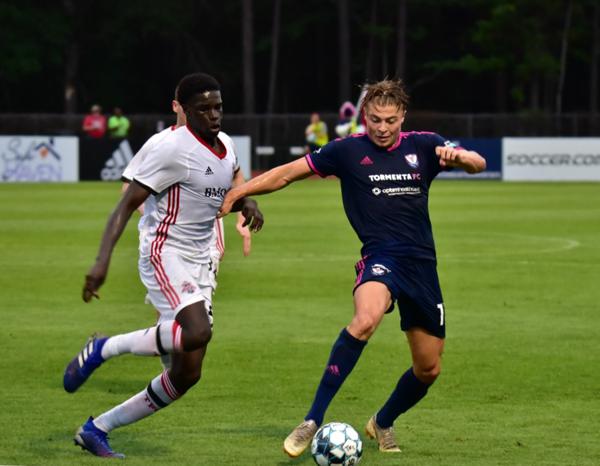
x=215, y=192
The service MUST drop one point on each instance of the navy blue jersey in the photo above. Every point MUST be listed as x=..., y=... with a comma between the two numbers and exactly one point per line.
x=385, y=191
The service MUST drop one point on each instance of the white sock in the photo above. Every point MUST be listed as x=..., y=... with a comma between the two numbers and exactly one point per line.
x=159, y=393
x=145, y=342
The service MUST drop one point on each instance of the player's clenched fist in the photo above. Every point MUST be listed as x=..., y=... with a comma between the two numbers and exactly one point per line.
x=449, y=155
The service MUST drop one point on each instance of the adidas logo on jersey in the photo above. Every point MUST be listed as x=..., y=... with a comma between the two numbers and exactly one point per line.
x=208, y=172
x=366, y=161
x=113, y=167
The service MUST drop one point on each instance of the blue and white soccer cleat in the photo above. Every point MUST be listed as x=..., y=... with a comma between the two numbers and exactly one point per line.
x=94, y=440
x=82, y=365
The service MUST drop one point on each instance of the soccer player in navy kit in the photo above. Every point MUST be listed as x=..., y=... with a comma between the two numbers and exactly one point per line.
x=385, y=176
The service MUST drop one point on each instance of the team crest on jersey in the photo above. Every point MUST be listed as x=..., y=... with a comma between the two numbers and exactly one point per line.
x=412, y=160
x=187, y=287
x=379, y=269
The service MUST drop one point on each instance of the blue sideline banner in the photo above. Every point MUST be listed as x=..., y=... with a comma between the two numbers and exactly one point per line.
x=490, y=149
x=39, y=158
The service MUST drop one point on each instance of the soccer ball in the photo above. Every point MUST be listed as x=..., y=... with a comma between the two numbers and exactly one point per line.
x=336, y=443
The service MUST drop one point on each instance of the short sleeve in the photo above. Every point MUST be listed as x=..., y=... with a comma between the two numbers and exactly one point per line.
x=162, y=167
x=131, y=168
x=324, y=161
x=139, y=157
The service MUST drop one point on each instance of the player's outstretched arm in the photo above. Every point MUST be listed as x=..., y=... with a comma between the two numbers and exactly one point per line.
x=273, y=180
x=135, y=195
x=470, y=161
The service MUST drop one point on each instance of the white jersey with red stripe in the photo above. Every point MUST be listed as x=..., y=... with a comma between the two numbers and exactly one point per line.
x=189, y=180
x=217, y=245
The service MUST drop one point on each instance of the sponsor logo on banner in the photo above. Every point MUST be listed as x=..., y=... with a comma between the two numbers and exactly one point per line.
x=114, y=166
x=38, y=158
x=551, y=159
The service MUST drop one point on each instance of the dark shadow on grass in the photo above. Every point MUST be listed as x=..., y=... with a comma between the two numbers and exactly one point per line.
x=268, y=432
x=305, y=458
x=58, y=445
x=120, y=386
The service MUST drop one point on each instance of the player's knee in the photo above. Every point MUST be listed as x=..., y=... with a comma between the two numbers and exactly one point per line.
x=363, y=326
x=196, y=337
x=428, y=373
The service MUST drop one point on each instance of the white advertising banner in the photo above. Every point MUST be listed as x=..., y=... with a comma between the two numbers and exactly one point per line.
x=39, y=158
x=551, y=159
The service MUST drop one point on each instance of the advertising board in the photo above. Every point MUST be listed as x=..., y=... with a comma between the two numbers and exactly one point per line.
x=551, y=159
x=39, y=158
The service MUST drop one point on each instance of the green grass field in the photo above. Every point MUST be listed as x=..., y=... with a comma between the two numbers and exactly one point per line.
x=519, y=267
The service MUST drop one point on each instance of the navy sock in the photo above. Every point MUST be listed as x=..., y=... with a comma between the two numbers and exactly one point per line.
x=407, y=393
x=344, y=355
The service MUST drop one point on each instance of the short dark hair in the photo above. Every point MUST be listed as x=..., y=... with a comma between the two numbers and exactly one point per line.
x=193, y=84
x=386, y=92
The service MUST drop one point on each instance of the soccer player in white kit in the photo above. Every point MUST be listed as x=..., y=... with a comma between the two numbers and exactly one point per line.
x=217, y=245
x=188, y=173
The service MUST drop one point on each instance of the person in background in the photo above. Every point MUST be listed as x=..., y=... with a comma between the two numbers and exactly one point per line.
x=118, y=124
x=316, y=132
x=348, y=123
x=94, y=123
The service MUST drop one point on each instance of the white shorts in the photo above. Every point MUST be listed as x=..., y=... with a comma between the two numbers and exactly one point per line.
x=213, y=267
x=173, y=282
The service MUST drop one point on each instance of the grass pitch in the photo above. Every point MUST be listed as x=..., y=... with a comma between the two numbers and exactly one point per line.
x=519, y=268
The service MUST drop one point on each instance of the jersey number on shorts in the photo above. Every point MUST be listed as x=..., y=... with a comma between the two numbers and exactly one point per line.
x=441, y=308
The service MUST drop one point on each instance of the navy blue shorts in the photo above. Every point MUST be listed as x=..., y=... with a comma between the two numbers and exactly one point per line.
x=414, y=285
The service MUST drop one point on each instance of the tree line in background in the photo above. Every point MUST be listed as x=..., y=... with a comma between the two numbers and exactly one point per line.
x=289, y=56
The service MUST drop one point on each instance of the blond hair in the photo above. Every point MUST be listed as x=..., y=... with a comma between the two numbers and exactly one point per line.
x=386, y=92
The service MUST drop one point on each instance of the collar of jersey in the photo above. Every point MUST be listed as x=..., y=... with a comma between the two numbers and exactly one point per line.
x=203, y=142
x=397, y=143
